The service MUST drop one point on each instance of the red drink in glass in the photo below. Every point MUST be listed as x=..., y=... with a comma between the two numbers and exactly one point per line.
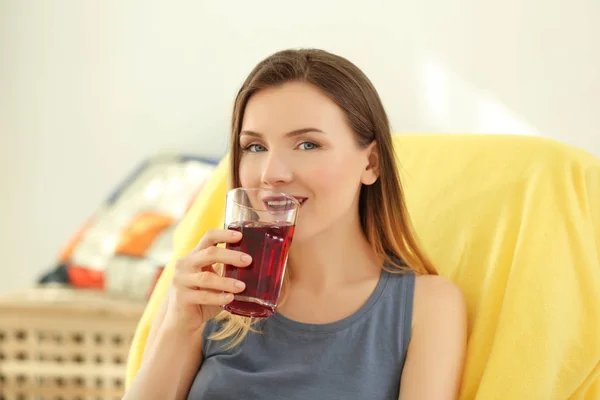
x=266, y=220
x=268, y=246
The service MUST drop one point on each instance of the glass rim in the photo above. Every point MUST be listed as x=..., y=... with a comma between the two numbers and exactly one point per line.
x=296, y=202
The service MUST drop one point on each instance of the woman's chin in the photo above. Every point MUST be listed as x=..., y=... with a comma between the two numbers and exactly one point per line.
x=305, y=231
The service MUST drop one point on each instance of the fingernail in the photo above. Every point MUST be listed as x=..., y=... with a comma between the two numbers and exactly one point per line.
x=236, y=234
x=227, y=296
x=246, y=258
x=239, y=284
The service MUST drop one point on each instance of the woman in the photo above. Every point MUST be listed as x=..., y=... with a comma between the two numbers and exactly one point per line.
x=364, y=314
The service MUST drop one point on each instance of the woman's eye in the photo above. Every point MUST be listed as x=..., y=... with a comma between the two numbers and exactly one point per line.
x=255, y=148
x=308, y=146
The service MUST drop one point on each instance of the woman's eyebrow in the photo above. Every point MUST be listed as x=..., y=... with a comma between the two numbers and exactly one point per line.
x=293, y=133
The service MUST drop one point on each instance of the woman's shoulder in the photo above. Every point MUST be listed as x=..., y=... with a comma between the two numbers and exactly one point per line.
x=437, y=299
x=434, y=283
x=438, y=341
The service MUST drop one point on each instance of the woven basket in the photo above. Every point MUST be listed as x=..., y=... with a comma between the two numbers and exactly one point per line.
x=65, y=344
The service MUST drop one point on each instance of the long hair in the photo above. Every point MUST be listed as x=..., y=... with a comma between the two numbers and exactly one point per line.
x=383, y=214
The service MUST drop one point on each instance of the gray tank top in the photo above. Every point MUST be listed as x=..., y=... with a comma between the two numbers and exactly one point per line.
x=358, y=357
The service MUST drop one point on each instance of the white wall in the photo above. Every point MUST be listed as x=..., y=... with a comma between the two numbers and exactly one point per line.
x=89, y=88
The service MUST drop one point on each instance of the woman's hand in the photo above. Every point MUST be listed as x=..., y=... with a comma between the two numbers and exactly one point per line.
x=197, y=291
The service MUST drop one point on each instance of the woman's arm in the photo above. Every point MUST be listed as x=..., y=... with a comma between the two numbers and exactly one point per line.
x=157, y=322
x=170, y=362
x=436, y=353
x=173, y=351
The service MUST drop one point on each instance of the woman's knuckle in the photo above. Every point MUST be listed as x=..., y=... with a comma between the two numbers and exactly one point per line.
x=179, y=264
x=204, y=278
x=203, y=297
x=178, y=297
x=211, y=233
x=176, y=280
x=211, y=251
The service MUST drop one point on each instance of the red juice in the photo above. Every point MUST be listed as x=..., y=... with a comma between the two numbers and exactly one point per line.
x=268, y=246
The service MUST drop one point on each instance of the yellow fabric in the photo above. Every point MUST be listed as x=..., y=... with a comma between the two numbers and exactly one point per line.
x=515, y=222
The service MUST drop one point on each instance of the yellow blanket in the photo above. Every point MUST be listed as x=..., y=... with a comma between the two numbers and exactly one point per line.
x=515, y=222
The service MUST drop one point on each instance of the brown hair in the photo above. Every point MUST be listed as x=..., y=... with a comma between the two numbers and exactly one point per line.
x=383, y=214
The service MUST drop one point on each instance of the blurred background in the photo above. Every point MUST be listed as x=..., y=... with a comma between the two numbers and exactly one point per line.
x=89, y=89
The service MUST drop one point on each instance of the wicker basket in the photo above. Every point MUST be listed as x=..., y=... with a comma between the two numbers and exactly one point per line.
x=65, y=344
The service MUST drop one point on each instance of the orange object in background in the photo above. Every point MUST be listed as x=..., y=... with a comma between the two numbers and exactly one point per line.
x=141, y=232
x=67, y=250
x=84, y=277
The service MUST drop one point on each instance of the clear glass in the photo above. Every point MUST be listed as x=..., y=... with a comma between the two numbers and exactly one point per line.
x=266, y=220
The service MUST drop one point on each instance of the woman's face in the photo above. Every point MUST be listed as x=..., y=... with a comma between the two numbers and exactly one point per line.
x=295, y=140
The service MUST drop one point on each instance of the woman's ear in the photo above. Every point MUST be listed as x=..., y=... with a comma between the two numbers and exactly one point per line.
x=371, y=171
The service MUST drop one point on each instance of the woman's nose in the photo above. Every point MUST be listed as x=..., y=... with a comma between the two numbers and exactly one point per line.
x=276, y=170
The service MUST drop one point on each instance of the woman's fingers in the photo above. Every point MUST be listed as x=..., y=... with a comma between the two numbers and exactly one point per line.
x=213, y=255
x=216, y=236
x=208, y=297
x=196, y=279
x=205, y=280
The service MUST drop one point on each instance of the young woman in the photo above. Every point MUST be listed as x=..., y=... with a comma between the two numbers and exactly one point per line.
x=363, y=313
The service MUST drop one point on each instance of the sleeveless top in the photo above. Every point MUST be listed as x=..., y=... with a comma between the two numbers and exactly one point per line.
x=358, y=357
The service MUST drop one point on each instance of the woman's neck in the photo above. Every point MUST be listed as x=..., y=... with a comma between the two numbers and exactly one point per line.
x=337, y=256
